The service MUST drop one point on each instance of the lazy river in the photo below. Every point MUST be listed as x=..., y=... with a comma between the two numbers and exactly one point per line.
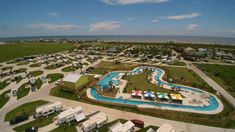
x=213, y=100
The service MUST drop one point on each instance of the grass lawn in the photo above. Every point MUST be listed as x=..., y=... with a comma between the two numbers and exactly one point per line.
x=36, y=73
x=22, y=63
x=18, y=79
x=105, y=128
x=11, y=51
x=39, y=122
x=51, y=67
x=38, y=83
x=6, y=68
x=68, y=69
x=35, y=65
x=23, y=91
x=100, y=70
x=20, y=70
x=106, y=66
x=4, y=98
x=28, y=108
x=184, y=76
x=224, y=75
x=4, y=84
x=141, y=82
x=54, y=77
x=146, y=128
x=179, y=63
x=65, y=128
x=56, y=91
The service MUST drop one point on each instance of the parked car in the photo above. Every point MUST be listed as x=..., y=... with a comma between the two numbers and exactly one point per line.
x=14, y=93
x=138, y=123
x=31, y=129
x=19, y=119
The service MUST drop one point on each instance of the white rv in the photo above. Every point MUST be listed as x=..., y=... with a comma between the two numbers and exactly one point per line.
x=68, y=115
x=95, y=121
x=119, y=127
x=48, y=109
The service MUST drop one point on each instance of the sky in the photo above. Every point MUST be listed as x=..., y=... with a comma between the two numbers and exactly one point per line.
x=20, y=18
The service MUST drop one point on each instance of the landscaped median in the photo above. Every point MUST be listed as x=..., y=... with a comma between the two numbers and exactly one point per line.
x=23, y=90
x=54, y=77
x=28, y=108
x=35, y=73
x=4, y=98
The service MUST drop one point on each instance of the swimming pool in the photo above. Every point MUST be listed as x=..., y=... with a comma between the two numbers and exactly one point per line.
x=213, y=104
x=104, y=82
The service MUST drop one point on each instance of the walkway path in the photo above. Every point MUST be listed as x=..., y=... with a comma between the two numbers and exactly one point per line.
x=212, y=83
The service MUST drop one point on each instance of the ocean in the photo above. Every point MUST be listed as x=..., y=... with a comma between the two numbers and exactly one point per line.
x=136, y=38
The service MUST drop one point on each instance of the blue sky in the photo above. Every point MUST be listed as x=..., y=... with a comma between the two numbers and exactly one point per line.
x=117, y=17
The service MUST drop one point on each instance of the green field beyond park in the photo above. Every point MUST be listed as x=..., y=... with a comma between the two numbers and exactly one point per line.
x=11, y=51
x=222, y=74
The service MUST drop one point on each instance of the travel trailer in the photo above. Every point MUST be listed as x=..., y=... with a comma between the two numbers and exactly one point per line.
x=48, y=109
x=68, y=115
x=95, y=121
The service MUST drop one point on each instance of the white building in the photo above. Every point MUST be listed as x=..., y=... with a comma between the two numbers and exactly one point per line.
x=95, y=121
x=48, y=109
x=119, y=127
x=68, y=115
x=166, y=128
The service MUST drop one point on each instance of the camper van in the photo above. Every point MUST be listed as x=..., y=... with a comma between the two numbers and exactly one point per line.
x=95, y=121
x=68, y=115
x=48, y=109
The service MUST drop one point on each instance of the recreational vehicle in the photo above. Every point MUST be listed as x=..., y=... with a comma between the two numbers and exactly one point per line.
x=95, y=121
x=48, y=109
x=68, y=115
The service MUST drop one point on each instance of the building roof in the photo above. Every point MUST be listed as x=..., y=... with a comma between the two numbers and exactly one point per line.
x=80, y=117
x=48, y=106
x=97, y=118
x=119, y=127
x=69, y=111
x=166, y=128
x=72, y=78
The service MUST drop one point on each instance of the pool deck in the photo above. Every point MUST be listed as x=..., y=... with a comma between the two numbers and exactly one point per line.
x=194, y=100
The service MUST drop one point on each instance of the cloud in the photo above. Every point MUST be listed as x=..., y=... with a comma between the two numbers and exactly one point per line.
x=180, y=17
x=155, y=20
x=232, y=31
x=107, y=25
x=130, y=18
x=129, y=2
x=49, y=26
x=192, y=26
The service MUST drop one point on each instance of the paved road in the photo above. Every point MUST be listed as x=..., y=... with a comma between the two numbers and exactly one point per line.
x=212, y=83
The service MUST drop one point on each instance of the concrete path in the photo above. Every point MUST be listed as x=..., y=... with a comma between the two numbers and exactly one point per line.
x=212, y=83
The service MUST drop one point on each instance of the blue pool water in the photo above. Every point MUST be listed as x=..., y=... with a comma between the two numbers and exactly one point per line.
x=104, y=82
x=213, y=104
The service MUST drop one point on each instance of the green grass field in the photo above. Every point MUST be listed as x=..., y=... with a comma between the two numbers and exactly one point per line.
x=23, y=91
x=224, y=75
x=28, y=108
x=65, y=128
x=4, y=98
x=11, y=51
x=23, y=63
x=36, y=73
x=54, y=77
x=4, y=84
x=39, y=122
x=141, y=82
x=186, y=77
x=68, y=69
x=35, y=65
